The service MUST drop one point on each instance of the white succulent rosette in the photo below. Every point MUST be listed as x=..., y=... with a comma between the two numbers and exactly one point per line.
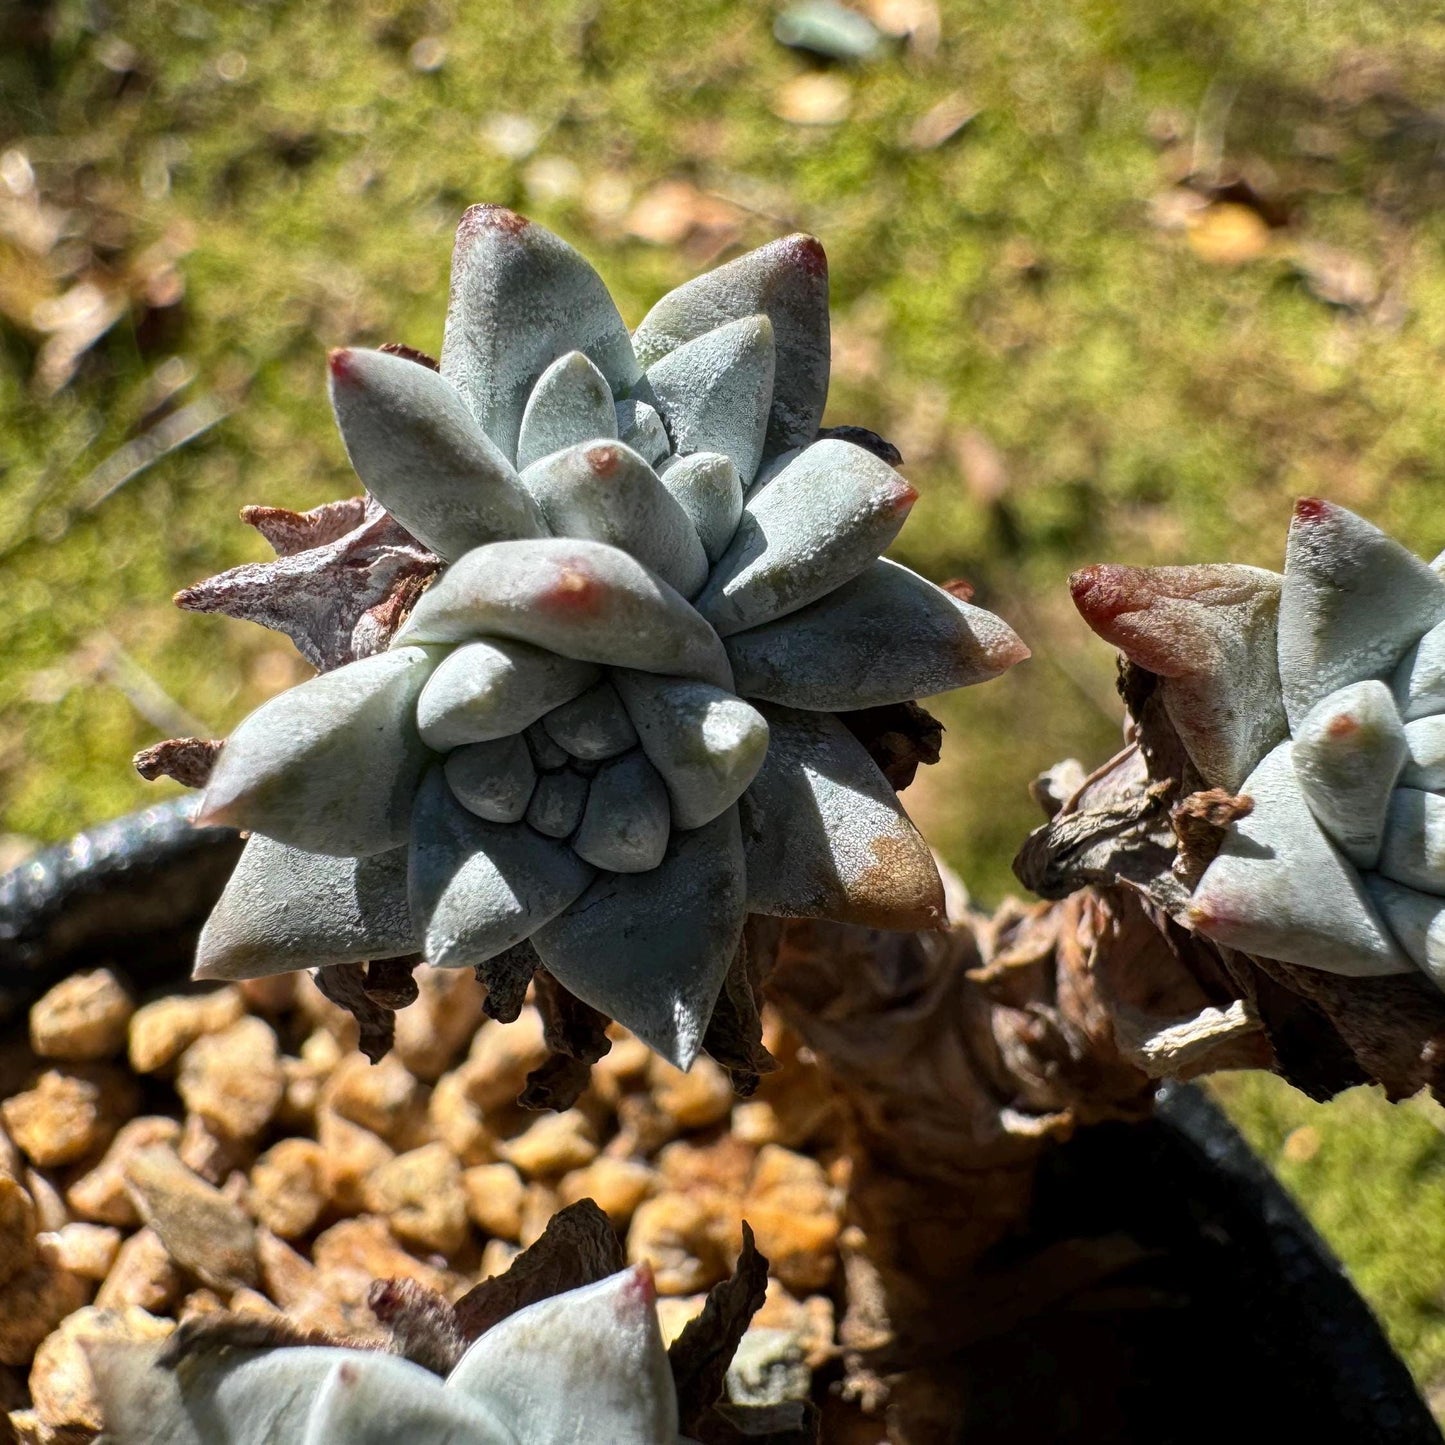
x=589, y=1364
x=1319, y=696
x=609, y=726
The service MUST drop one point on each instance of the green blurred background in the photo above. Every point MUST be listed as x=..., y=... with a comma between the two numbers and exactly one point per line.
x=1120, y=280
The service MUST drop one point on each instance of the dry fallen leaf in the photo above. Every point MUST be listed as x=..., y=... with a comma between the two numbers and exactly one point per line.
x=941, y=122
x=813, y=99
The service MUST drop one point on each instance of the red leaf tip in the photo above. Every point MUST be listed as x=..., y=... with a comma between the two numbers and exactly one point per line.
x=342, y=362
x=487, y=217
x=1311, y=509
x=806, y=252
x=604, y=460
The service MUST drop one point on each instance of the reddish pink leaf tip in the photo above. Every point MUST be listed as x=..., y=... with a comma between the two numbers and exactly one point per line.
x=640, y=1287
x=574, y=591
x=1102, y=592
x=604, y=460
x=807, y=253
x=903, y=498
x=487, y=217
x=342, y=362
x=1311, y=509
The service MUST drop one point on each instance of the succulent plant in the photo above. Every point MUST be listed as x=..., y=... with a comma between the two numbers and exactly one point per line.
x=593, y=650
x=588, y=1364
x=1319, y=696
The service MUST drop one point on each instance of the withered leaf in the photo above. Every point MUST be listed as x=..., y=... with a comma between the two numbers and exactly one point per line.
x=421, y=1323
x=345, y=984
x=578, y=1247
x=188, y=760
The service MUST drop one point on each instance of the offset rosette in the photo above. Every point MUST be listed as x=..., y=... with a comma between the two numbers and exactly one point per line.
x=607, y=728
x=1320, y=696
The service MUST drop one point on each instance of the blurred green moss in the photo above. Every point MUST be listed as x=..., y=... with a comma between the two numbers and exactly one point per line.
x=1069, y=381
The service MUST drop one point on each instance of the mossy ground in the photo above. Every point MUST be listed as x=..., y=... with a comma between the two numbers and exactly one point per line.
x=1070, y=380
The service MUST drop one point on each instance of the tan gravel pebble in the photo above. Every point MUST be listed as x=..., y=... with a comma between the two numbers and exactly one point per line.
x=459, y=1121
x=60, y=1381
x=797, y=1216
x=696, y=1099
x=215, y=1156
x=18, y=1227
x=100, y=1194
x=349, y=1153
x=70, y=1112
x=433, y=1031
x=502, y=1055
x=143, y=1275
x=233, y=1078
x=675, y=1312
x=50, y=1210
x=552, y=1145
x=201, y=1228
x=421, y=1197
x=272, y=994
x=162, y=1031
x=617, y=1185
x=287, y=1276
x=88, y=1250
x=32, y=1302
x=351, y=1255
x=82, y=1019
x=289, y=1187
x=723, y=1166
x=674, y=1234
x=497, y=1256
x=539, y=1204
x=381, y=1097
x=494, y=1199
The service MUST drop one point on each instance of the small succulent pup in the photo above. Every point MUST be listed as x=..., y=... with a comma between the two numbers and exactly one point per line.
x=585, y=1365
x=1320, y=697
x=585, y=667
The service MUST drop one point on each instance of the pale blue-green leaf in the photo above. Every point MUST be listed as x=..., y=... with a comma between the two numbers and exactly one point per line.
x=887, y=636
x=1420, y=678
x=640, y=427
x=707, y=744
x=570, y=404
x=713, y=392
x=1414, y=847
x=494, y=779
x=625, y=827
x=545, y=753
x=587, y=1367
x=1417, y=920
x=1280, y=888
x=594, y=725
x=788, y=282
x=581, y=599
x=815, y=526
x=558, y=802
x=481, y=887
x=420, y=452
x=651, y=949
x=1354, y=602
x=491, y=689
x=707, y=486
x=520, y=298
x=331, y=764
x=283, y=909
x=606, y=492
x=826, y=836
x=1425, y=738
x=1348, y=752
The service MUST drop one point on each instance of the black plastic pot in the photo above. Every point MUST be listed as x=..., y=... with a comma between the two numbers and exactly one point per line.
x=1234, y=1324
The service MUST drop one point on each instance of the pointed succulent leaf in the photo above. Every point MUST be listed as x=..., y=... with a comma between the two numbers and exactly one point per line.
x=229, y=1397
x=331, y=764
x=816, y=525
x=1417, y=920
x=545, y=753
x=771, y=467
x=558, y=802
x=1414, y=846
x=713, y=392
x=491, y=689
x=373, y=1398
x=481, y=887
x=1211, y=632
x=570, y=404
x=826, y=836
x=494, y=779
x=422, y=455
x=706, y=744
x=520, y=298
x=606, y=492
x=1354, y=602
x=284, y=909
x=640, y=427
x=1425, y=767
x=1420, y=678
x=1348, y=752
x=887, y=636
x=587, y=1365
x=1279, y=888
x=787, y=281
x=711, y=493
x=651, y=949
x=625, y=827
x=594, y=725
x=580, y=599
